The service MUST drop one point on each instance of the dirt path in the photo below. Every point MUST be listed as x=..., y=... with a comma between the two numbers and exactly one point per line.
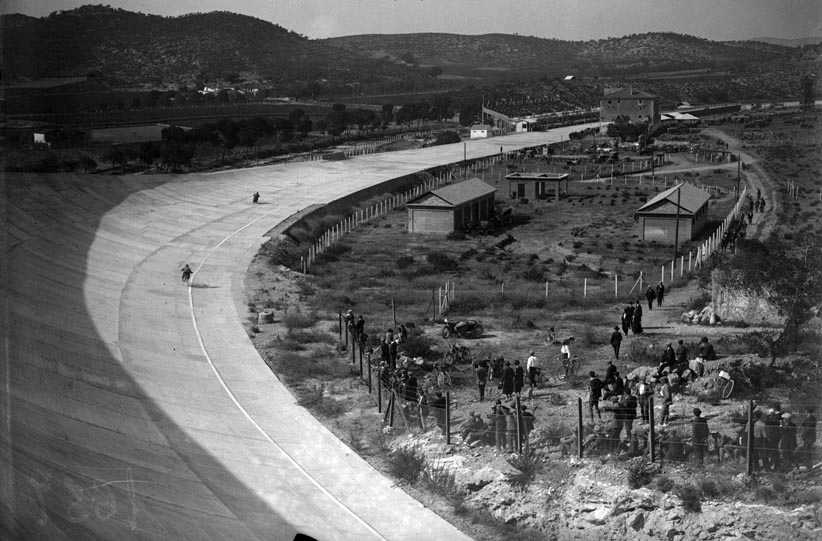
x=666, y=320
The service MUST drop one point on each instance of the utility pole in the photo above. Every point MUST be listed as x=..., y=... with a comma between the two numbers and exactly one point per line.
x=465, y=152
x=676, y=228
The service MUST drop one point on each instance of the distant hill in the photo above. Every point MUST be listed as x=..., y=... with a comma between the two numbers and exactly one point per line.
x=127, y=48
x=489, y=54
x=795, y=42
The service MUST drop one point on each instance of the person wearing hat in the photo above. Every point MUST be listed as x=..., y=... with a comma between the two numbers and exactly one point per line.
x=594, y=394
x=700, y=433
x=616, y=340
x=773, y=433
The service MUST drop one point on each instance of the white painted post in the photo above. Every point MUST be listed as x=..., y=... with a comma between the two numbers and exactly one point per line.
x=689, y=261
x=672, y=270
x=663, y=274
x=585, y=287
x=616, y=286
x=681, y=265
x=546, y=289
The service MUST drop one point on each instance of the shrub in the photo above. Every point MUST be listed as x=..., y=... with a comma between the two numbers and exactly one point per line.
x=526, y=465
x=441, y=262
x=639, y=472
x=534, y=273
x=699, y=302
x=456, y=235
x=691, y=498
x=314, y=398
x=664, y=484
x=407, y=463
x=298, y=320
x=708, y=488
x=404, y=261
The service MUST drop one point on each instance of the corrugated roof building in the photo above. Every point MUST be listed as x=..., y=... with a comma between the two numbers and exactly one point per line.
x=451, y=207
x=658, y=217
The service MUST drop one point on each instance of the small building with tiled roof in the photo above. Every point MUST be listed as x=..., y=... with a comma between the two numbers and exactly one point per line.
x=451, y=208
x=535, y=185
x=633, y=105
x=658, y=217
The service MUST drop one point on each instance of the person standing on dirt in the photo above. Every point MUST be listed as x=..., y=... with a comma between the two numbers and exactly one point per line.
x=532, y=367
x=629, y=403
x=650, y=294
x=773, y=433
x=787, y=441
x=256, y=197
x=498, y=413
x=482, y=378
x=438, y=405
x=594, y=394
x=507, y=380
x=808, y=436
x=385, y=354
x=497, y=368
x=519, y=378
x=644, y=392
x=565, y=354
x=511, y=428
x=760, y=442
x=392, y=353
x=186, y=273
x=667, y=400
x=403, y=333
x=636, y=319
x=359, y=327
x=526, y=424
x=616, y=341
x=681, y=356
x=700, y=433
x=627, y=318
x=660, y=294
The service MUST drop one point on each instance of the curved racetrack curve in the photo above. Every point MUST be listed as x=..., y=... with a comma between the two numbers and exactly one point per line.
x=134, y=407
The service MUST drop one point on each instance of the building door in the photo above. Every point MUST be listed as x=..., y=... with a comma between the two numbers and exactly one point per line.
x=520, y=190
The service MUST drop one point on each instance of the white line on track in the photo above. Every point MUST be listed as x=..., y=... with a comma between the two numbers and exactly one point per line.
x=234, y=398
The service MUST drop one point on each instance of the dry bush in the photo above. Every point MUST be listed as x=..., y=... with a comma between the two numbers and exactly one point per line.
x=639, y=472
x=314, y=398
x=527, y=465
x=298, y=320
x=406, y=463
x=691, y=498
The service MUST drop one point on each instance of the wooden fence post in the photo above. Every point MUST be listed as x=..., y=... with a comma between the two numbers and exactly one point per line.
x=616, y=286
x=651, y=431
x=749, y=444
x=579, y=427
x=448, y=417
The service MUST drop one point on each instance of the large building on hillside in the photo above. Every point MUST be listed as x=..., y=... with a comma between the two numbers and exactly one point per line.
x=658, y=216
x=634, y=105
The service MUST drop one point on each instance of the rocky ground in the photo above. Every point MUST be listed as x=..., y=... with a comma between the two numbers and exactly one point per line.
x=590, y=499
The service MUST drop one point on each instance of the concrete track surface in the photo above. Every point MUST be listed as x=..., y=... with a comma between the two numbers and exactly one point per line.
x=134, y=407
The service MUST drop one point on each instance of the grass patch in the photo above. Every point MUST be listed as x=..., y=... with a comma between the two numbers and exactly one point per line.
x=315, y=399
x=640, y=472
x=298, y=320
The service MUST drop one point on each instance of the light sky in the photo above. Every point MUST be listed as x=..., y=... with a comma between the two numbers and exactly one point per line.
x=562, y=19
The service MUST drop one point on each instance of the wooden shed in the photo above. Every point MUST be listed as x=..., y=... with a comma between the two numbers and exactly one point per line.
x=658, y=216
x=451, y=207
x=535, y=185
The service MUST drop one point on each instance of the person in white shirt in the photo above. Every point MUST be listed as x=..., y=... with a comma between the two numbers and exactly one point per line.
x=533, y=367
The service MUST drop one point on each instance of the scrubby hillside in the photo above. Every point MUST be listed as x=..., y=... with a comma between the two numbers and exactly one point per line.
x=134, y=48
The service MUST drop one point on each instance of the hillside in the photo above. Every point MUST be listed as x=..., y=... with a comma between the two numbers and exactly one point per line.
x=135, y=49
x=482, y=55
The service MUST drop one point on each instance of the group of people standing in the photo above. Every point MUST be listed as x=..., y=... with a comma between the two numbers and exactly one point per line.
x=776, y=439
x=655, y=294
x=632, y=318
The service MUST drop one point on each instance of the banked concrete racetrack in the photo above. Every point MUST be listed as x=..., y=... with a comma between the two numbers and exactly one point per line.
x=136, y=407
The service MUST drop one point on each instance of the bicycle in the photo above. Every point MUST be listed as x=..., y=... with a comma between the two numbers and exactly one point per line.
x=727, y=386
